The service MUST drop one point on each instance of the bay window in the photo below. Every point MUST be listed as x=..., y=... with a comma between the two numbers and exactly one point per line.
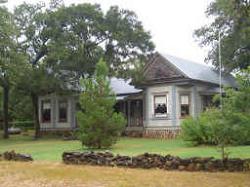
x=160, y=106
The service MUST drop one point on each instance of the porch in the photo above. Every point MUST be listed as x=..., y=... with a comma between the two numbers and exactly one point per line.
x=132, y=108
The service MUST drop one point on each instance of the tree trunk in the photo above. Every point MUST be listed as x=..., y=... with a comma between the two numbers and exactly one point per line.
x=5, y=110
x=36, y=115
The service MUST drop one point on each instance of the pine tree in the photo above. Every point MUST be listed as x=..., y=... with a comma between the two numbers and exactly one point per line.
x=99, y=125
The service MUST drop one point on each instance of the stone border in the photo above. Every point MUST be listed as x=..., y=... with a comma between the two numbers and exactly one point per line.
x=13, y=156
x=147, y=161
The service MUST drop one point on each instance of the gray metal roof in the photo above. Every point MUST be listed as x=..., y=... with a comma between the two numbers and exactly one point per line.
x=198, y=71
x=122, y=86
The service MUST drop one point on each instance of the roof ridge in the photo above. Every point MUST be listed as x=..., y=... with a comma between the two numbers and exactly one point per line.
x=174, y=65
x=191, y=61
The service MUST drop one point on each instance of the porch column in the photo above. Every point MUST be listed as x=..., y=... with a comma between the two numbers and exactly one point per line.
x=194, y=101
x=173, y=101
x=129, y=112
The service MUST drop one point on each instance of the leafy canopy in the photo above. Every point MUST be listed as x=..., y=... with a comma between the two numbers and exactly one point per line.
x=232, y=20
x=84, y=34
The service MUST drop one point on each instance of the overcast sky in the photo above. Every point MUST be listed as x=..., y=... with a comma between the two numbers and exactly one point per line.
x=171, y=22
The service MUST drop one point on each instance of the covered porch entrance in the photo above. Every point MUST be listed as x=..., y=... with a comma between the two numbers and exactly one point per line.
x=132, y=108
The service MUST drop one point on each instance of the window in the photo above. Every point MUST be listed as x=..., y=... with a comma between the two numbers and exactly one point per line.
x=63, y=107
x=207, y=102
x=160, y=106
x=184, y=105
x=46, y=111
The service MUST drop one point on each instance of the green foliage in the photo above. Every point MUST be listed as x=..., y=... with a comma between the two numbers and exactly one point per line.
x=99, y=125
x=232, y=20
x=203, y=130
x=20, y=106
x=24, y=125
x=229, y=125
x=83, y=34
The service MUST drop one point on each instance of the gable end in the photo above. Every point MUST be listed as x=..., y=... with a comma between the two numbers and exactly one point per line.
x=161, y=69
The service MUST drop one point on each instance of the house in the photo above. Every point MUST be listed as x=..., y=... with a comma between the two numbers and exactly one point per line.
x=172, y=89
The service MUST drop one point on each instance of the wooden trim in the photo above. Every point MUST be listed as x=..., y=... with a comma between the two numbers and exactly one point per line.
x=160, y=94
x=185, y=93
x=49, y=100
x=158, y=57
x=67, y=110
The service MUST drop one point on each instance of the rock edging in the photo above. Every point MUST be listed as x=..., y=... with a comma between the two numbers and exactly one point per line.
x=148, y=160
x=13, y=156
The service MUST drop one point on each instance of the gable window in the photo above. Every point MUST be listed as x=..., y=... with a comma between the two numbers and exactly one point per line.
x=63, y=108
x=46, y=111
x=160, y=106
x=185, y=105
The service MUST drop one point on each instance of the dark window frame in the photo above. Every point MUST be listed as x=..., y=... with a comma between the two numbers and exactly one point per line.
x=188, y=106
x=46, y=111
x=65, y=119
x=161, y=115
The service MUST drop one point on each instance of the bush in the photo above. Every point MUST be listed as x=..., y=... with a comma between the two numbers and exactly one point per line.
x=99, y=125
x=229, y=125
x=202, y=130
x=24, y=125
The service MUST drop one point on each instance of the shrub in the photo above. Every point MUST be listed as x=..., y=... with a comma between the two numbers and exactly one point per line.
x=24, y=125
x=202, y=130
x=225, y=126
x=99, y=125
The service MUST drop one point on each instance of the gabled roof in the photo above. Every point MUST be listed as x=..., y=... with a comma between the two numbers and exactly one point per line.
x=198, y=71
x=166, y=68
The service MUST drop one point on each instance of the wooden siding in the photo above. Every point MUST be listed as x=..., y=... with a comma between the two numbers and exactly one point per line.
x=55, y=124
x=160, y=69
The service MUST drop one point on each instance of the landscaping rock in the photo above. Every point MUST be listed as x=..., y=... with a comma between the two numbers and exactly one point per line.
x=16, y=156
x=148, y=160
x=181, y=168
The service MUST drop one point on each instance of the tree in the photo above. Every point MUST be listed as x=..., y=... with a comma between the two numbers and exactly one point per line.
x=236, y=108
x=8, y=59
x=232, y=21
x=73, y=38
x=37, y=78
x=89, y=34
x=99, y=125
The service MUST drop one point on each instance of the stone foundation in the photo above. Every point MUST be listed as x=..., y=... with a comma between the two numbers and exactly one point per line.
x=170, y=133
x=167, y=133
x=147, y=161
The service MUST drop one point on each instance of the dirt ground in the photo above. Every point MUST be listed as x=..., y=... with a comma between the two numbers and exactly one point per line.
x=56, y=174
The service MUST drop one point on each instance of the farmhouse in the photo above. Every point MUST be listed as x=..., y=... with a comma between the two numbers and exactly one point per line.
x=172, y=89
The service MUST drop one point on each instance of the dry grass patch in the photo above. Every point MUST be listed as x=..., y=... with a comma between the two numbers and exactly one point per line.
x=56, y=174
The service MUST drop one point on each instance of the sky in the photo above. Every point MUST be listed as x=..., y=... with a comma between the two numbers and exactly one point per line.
x=170, y=22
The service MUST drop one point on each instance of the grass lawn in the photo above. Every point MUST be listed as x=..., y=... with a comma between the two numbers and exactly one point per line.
x=51, y=149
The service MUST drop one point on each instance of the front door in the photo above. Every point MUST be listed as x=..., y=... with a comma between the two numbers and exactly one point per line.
x=136, y=113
